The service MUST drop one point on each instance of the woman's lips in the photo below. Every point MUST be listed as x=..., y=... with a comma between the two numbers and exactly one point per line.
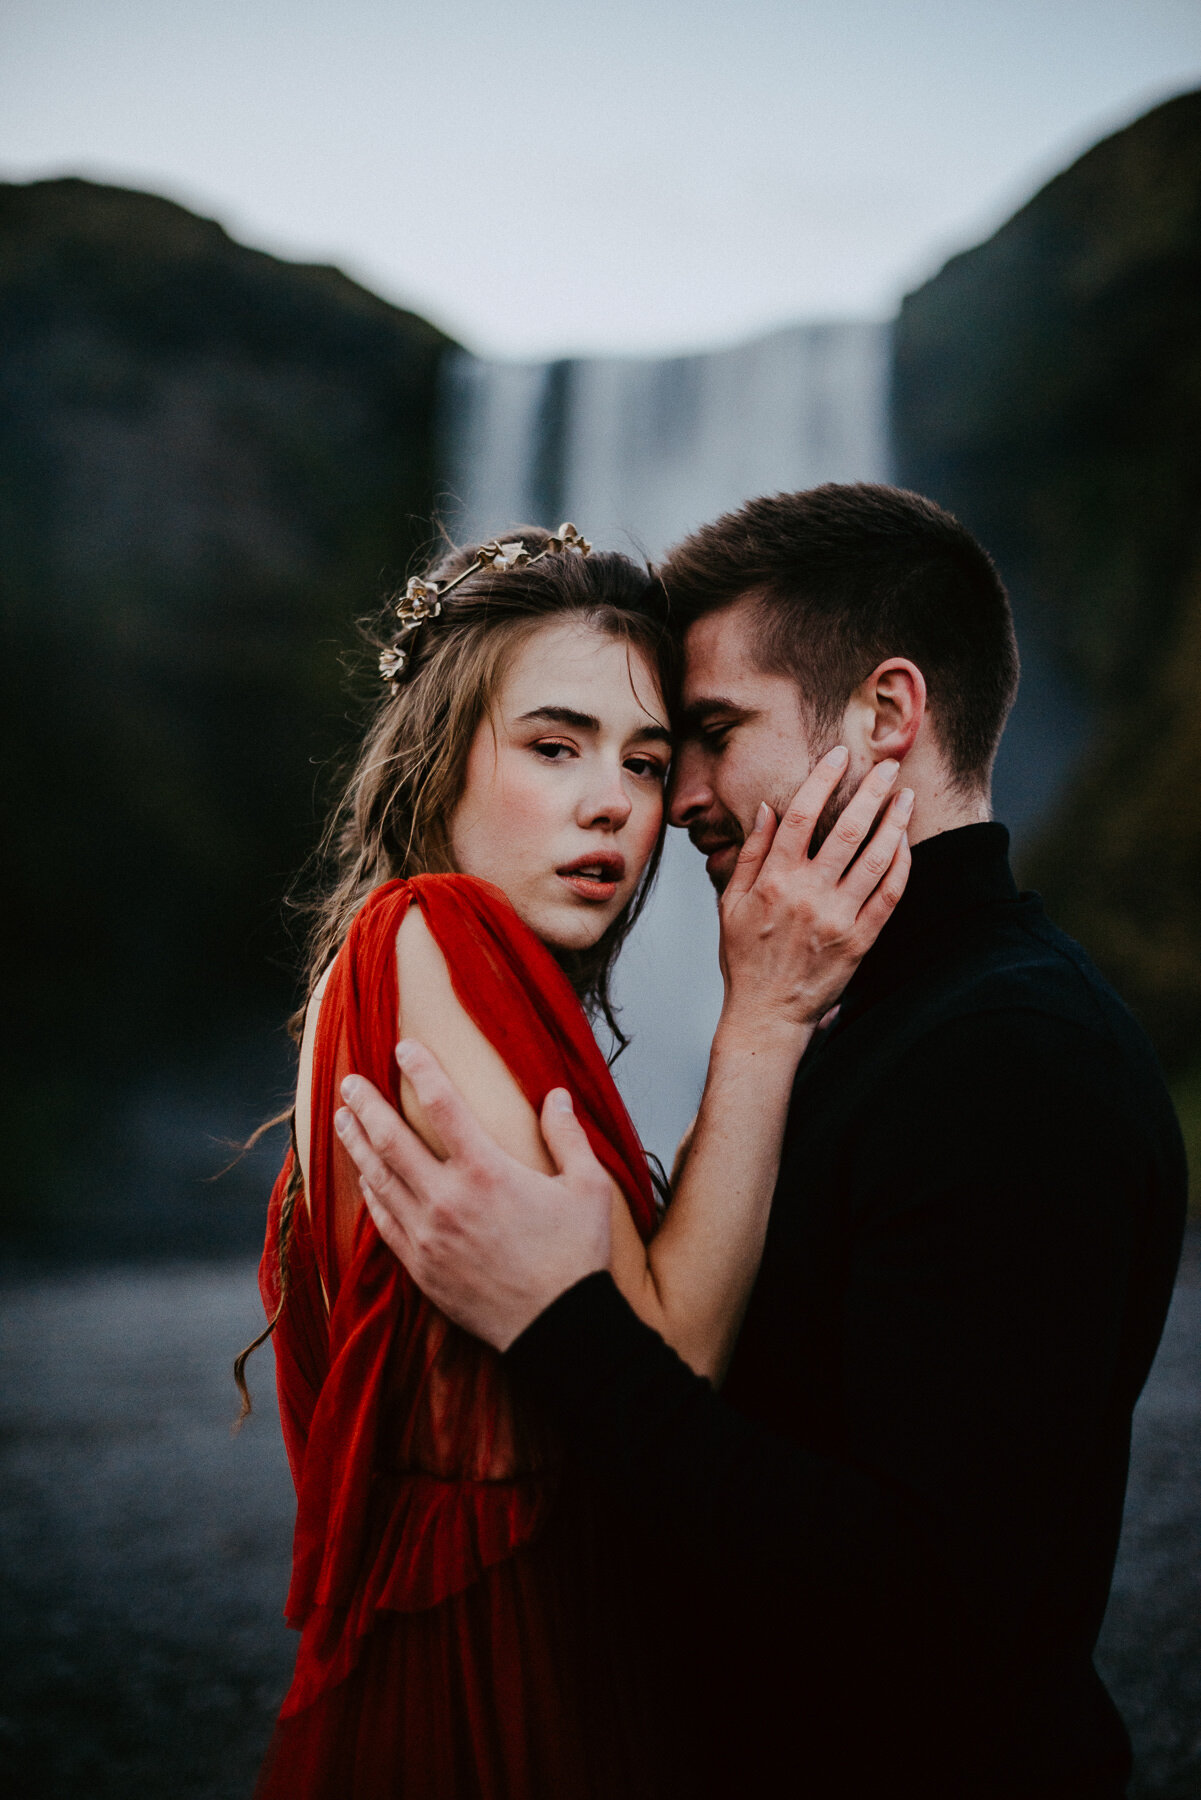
x=588, y=888
x=593, y=877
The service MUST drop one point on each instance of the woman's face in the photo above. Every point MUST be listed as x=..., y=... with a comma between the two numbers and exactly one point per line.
x=564, y=792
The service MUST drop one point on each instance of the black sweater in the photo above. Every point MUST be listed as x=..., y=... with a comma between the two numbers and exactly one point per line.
x=900, y=1521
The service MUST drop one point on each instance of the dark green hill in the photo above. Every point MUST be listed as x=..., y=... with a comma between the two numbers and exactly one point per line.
x=209, y=461
x=1048, y=390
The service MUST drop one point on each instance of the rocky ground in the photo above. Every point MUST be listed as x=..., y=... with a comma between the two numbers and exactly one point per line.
x=144, y=1550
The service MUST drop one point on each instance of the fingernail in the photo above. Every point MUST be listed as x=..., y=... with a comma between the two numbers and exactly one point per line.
x=403, y=1051
x=836, y=757
x=342, y=1120
x=762, y=816
x=560, y=1101
x=351, y=1088
x=888, y=768
x=904, y=803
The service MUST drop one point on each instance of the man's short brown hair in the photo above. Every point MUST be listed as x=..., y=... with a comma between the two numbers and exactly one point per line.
x=847, y=576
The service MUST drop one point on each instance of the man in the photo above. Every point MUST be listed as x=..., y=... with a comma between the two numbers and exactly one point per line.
x=903, y=1512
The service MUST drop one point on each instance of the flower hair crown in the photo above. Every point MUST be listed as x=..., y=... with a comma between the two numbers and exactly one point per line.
x=423, y=599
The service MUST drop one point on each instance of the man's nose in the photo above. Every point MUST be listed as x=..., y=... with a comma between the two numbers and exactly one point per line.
x=691, y=789
x=606, y=801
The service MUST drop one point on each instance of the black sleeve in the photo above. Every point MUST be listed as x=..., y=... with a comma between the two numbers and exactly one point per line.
x=751, y=1502
x=995, y=1186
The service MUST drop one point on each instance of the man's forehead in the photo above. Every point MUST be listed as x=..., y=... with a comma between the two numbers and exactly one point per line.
x=720, y=666
x=723, y=636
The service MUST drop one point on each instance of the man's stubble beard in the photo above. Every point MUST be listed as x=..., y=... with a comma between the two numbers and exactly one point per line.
x=827, y=819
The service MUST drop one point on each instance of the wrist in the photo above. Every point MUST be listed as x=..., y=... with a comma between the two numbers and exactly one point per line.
x=765, y=1036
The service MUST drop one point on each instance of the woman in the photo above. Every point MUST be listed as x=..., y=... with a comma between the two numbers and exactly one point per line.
x=472, y=1623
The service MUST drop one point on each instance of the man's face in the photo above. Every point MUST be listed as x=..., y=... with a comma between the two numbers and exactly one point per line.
x=745, y=738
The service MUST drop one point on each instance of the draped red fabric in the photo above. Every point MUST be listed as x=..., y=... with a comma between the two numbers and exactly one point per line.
x=469, y=1620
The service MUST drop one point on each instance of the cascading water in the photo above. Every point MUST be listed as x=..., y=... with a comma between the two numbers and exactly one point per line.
x=643, y=450
x=637, y=453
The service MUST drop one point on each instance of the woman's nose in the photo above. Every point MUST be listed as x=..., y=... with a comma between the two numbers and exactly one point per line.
x=607, y=801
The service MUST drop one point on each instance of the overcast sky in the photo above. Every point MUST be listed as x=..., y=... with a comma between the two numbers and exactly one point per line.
x=593, y=175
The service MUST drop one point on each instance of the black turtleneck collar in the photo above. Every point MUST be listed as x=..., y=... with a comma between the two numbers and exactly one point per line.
x=953, y=875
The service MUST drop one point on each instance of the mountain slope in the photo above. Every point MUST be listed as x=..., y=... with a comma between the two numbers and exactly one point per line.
x=209, y=461
x=1047, y=389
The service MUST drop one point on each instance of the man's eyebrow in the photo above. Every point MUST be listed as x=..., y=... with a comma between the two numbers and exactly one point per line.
x=566, y=715
x=695, y=715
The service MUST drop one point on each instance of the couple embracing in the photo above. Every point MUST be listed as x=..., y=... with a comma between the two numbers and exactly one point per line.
x=803, y=1475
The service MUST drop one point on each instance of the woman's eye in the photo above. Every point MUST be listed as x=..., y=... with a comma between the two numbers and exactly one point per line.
x=649, y=767
x=553, y=752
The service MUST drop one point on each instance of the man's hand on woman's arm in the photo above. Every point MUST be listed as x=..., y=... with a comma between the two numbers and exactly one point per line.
x=488, y=1239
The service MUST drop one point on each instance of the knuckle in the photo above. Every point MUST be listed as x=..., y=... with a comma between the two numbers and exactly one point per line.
x=440, y=1218
x=436, y=1098
x=477, y=1173
x=373, y=1171
x=379, y=1128
x=383, y=1177
x=830, y=920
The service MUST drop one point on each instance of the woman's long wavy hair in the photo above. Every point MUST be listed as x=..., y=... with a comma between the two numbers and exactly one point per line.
x=393, y=817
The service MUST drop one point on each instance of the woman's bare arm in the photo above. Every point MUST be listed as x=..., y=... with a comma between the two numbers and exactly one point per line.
x=304, y=1080
x=693, y=1280
x=431, y=1013
x=688, y=1291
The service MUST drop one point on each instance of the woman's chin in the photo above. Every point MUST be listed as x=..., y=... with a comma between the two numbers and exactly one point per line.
x=569, y=928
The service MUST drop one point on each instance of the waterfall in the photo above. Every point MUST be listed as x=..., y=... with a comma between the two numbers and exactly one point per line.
x=638, y=452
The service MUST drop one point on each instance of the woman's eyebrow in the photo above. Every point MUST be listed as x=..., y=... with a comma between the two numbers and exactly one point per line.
x=567, y=715
x=562, y=715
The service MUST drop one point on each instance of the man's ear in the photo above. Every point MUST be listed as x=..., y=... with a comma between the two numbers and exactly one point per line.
x=893, y=706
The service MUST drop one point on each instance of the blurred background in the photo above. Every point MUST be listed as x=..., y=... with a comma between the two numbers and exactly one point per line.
x=280, y=285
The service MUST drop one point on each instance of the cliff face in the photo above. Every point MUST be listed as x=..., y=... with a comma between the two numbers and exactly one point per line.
x=1047, y=389
x=210, y=463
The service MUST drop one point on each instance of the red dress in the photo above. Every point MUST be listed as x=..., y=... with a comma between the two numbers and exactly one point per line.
x=470, y=1620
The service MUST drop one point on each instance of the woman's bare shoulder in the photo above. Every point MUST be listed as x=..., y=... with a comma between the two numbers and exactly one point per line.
x=420, y=965
x=431, y=1012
